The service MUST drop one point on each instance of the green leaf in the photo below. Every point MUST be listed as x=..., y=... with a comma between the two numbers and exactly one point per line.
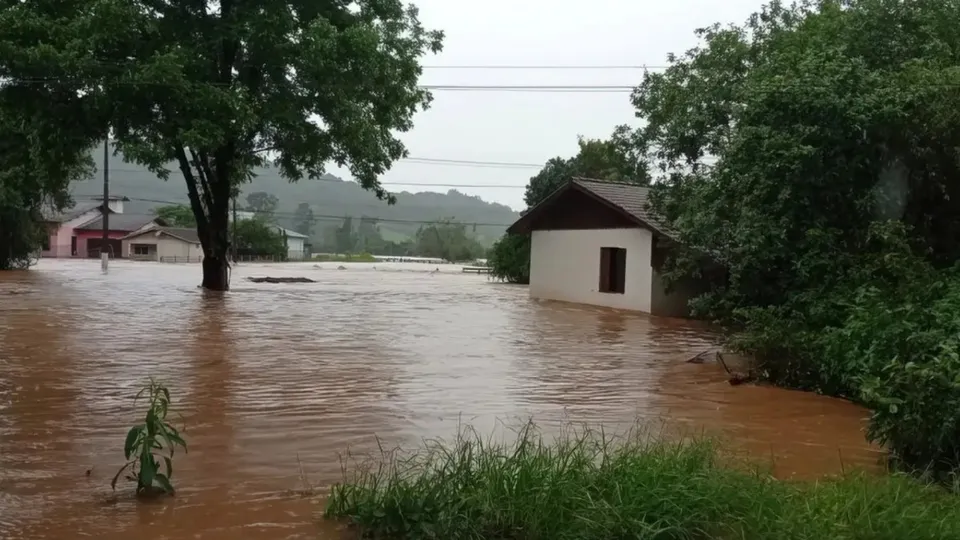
x=169, y=463
x=130, y=442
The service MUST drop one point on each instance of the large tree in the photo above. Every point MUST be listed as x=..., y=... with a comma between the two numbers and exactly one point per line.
x=262, y=204
x=449, y=240
x=177, y=215
x=616, y=159
x=38, y=160
x=303, y=219
x=815, y=152
x=219, y=87
x=780, y=144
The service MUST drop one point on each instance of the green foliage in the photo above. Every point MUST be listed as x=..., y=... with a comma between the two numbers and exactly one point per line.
x=37, y=164
x=262, y=204
x=21, y=236
x=304, y=219
x=222, y=87
x=257, y=237
x=587, y=485
x=509, y=258
x=176, y=215
x=815, y=152
x=448, y=240
x=345, y=257
x=149, y=447
x=615, y=160
x=329, y=196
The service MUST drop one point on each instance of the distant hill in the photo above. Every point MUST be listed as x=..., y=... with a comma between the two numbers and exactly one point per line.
x=330, y=198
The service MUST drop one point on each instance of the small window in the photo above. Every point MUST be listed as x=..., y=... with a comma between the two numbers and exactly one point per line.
x=613, y=270
x=141, y=249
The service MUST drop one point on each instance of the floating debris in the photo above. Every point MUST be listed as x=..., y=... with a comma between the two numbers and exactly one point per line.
x=280, y=280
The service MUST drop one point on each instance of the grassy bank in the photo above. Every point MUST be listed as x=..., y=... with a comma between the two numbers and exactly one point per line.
x=344, y=257
x=587, y=486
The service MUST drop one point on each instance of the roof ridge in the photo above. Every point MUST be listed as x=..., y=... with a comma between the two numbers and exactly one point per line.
x=614, y=182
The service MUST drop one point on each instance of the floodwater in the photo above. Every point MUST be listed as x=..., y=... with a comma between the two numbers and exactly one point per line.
x=274, y=382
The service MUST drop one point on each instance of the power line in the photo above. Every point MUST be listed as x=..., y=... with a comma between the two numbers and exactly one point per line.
x=315, y=217
x=440, y=161
x=583, y=88
x=422, y=184
x=416, y=161
x=542, y=67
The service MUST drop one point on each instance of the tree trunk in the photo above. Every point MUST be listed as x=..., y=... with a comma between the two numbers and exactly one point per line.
x=216, y=272
x=216, y=264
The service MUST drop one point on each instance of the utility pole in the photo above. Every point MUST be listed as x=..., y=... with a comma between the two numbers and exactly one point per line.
x=234, y=241
x=104, y=245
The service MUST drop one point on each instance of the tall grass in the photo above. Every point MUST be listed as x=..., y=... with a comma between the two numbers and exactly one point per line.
x=586, y=485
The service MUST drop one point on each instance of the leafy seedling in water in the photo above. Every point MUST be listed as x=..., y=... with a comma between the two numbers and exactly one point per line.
x=150, y=443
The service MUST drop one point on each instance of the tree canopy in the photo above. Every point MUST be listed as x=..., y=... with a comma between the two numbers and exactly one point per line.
x=256, y=237
x=176, y=215
x=815, y=152
x=220, y=87
x=37, y=163
x=448, y=240
x=263, y=204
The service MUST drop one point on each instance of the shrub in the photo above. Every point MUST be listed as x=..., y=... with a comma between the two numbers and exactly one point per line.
x=905, y=344
x=509, y=258
x=586, y=486
x=145, y=443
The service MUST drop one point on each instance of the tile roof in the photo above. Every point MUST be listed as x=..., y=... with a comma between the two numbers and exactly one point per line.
x=78, y=209
x=292, y=234
x=182, y=233
x=118, y=222
x=631, y=198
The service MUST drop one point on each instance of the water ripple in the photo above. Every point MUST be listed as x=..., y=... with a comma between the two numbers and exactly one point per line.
x=272, y=378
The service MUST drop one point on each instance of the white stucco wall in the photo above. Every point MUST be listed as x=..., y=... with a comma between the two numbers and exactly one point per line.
x=166, y=246
x=565, y=265
x=294, y=248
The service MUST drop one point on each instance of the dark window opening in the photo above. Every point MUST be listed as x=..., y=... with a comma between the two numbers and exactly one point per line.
x=613, y=270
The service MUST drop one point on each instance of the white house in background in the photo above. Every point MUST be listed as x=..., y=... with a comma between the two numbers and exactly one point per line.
x=167, y=244
x=597, y=243
x=296, y=242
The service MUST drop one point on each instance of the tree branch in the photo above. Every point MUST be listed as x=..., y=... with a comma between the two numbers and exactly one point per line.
x=202, y=171
x=195, y=202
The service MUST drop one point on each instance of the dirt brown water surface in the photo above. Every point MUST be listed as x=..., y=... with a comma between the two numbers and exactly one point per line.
x=270, y=378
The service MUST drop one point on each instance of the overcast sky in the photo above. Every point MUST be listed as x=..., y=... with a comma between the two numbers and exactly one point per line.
x=531, y=127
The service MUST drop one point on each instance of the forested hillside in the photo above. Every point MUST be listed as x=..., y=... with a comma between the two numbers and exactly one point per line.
x=331, y=199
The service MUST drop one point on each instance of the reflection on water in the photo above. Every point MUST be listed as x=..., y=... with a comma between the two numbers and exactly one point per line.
x=272, y=378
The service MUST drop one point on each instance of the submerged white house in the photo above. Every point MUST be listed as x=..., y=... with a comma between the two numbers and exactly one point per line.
x=596, y=242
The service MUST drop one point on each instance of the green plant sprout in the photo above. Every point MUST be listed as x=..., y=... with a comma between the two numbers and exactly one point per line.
x=150, y=443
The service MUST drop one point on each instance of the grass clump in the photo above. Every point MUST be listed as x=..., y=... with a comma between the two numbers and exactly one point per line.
x=585, y=485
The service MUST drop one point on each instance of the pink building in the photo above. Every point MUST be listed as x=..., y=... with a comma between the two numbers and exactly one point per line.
x=78, y=231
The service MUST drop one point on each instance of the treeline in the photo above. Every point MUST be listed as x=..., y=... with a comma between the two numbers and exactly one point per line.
x=445, y=239
x=815, y=153
x=261, y=234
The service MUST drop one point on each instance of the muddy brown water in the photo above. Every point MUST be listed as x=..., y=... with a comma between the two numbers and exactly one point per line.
x=275, y=378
